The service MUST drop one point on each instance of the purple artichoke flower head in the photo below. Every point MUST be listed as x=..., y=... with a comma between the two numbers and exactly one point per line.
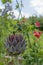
x=15, y=44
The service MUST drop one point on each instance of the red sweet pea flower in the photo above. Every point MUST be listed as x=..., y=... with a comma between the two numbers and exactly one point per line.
x=37, y=24
x=40, y=32
x=37, y=34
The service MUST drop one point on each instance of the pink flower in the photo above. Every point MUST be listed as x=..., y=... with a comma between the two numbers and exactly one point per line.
x=37, y=34
x=37, y=24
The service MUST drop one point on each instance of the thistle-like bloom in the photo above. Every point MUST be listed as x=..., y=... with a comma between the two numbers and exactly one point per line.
x=7, y=8
x=37, y=34
x=15, y=44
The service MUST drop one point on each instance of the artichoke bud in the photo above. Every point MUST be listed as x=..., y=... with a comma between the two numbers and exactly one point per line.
x=15, y=44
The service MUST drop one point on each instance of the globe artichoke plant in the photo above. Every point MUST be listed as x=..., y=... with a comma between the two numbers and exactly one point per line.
x=15, y=44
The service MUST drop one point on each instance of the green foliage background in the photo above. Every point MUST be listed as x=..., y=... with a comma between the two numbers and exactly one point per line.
x=26, y=27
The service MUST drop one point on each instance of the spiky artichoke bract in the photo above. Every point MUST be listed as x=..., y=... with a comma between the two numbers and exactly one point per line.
x=15, y=44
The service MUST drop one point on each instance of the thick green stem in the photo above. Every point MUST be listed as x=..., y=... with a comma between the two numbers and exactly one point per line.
x=29, y=40
x=16, y=61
